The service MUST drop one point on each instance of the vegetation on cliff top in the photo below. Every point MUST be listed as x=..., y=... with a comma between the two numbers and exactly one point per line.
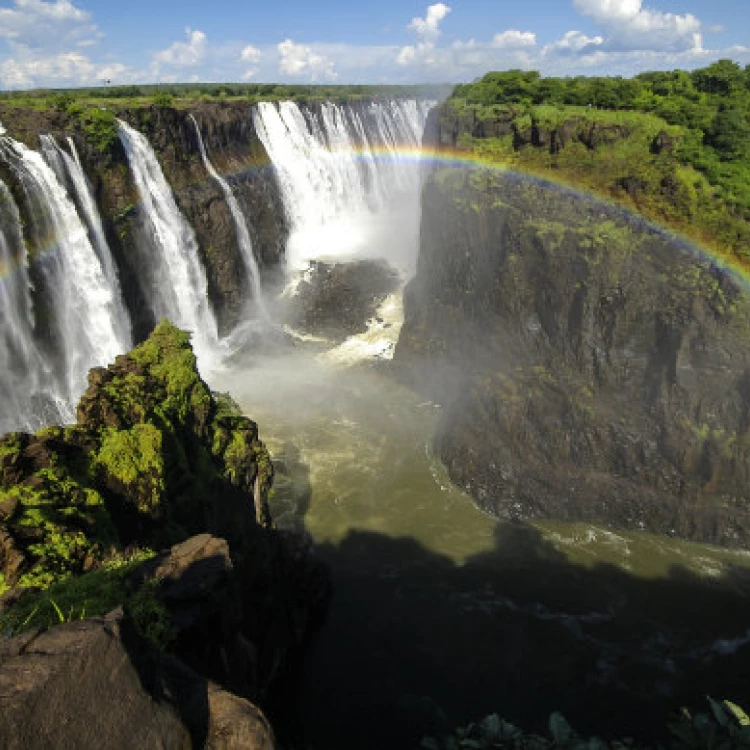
x=153, y=458
x=673, y=145
x=187, y=94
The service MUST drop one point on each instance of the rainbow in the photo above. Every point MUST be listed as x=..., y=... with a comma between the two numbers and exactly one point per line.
x=445, y=157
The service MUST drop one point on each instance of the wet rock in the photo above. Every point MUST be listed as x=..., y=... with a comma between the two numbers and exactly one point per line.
x=337, y=300
x=597, y=370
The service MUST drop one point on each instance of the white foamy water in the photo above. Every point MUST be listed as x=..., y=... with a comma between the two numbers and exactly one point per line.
x=350, y=182
x=82, y=325
x=244, y=241
x=179, y=288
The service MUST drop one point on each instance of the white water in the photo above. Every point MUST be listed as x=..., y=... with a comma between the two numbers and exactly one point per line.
x=68, y=169
x=179, y=290
x=22, y=367
x=82, y=311
x=350, y=185
x=240, y=224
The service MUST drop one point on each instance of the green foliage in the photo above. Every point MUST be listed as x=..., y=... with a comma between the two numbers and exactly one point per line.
x=726, y=727
x=150, y=617
x=673, y=145
x=134, y=458
x=88, y=595
x=187, y=94
x=100, y=128
x=163, y=99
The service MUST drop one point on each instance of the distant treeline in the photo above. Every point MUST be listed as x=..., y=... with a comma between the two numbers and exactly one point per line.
x=682, y=145
x=178, y=92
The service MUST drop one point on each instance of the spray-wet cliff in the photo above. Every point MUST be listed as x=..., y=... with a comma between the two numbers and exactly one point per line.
x=237, y=154
x=592, y=369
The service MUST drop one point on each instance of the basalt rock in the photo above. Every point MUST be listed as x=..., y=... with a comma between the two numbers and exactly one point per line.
x=337, y=300
x=592, y=368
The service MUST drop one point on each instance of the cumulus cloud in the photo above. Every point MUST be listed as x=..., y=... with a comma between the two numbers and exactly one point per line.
x=184, y=54
x=428, y=28
x=65, y=69
x=46, y=27
x=628, y=25
x=250, y=55
x=512, y=39
x=573, y=43
x=301, y=60
x=428, y=31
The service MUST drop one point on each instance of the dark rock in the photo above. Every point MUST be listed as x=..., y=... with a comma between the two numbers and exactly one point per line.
x=597, y=370
x=95, y=684
x=337, y=300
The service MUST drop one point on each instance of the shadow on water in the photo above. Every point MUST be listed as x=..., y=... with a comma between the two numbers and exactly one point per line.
x=417, y=645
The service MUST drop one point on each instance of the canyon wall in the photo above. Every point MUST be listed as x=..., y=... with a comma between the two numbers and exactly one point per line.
x=592, y=368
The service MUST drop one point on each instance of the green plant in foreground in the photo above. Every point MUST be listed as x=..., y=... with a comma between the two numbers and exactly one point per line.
x=75, y=597
x=726, y=727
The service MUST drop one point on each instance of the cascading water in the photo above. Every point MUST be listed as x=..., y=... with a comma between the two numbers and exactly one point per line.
x=240, y=223
x=179, y=290
x=22, y=367
x=68, y=169
x=81, y=327
x=349, y=183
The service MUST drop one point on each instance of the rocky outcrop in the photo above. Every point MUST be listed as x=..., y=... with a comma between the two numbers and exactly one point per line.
x=337, y=300
x=236, y=153
x=593, y=368
x=155, y=459
x=97, y=684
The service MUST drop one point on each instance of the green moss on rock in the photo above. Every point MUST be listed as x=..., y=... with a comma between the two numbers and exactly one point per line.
x=152, y=459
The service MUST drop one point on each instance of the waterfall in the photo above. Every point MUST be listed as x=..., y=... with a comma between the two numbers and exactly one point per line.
x=240, y=224
x=79, y=311
x=179, y=290
x=350, y=181
x=23, y=371
x=67, y=167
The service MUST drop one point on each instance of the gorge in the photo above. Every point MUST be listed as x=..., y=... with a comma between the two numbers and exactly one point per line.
x=560, y=361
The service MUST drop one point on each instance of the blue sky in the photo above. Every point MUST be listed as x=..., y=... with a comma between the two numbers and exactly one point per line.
x=85, y=42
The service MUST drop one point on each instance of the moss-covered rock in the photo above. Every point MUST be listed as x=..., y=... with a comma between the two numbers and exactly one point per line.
x=151, y=460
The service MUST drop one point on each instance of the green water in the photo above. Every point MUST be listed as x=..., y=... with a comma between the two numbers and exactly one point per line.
x=366, y=440
x=442, y=614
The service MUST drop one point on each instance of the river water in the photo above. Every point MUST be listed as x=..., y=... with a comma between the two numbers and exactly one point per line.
x=442, y=614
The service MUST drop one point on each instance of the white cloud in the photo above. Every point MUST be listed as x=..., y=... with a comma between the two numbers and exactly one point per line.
x=428, y=28
x=573, y=43
x=628, y=25
x=184, y=54
x=512, y=39
x=65, y=69
x=428, y=31
x=250, y=54
x=47, y=27
x=299, y=59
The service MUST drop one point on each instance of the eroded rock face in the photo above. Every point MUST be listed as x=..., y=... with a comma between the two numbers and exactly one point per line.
x=593, y=369
x=235, y=151
x=337, y=300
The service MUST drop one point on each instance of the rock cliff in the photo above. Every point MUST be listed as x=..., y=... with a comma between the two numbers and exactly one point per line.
x=155, y=459
x=593, y=369
x=236, y=153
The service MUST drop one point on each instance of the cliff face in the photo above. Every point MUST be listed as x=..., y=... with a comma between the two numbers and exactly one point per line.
x=594, y=369
x=236, y=153
x=155, y=459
